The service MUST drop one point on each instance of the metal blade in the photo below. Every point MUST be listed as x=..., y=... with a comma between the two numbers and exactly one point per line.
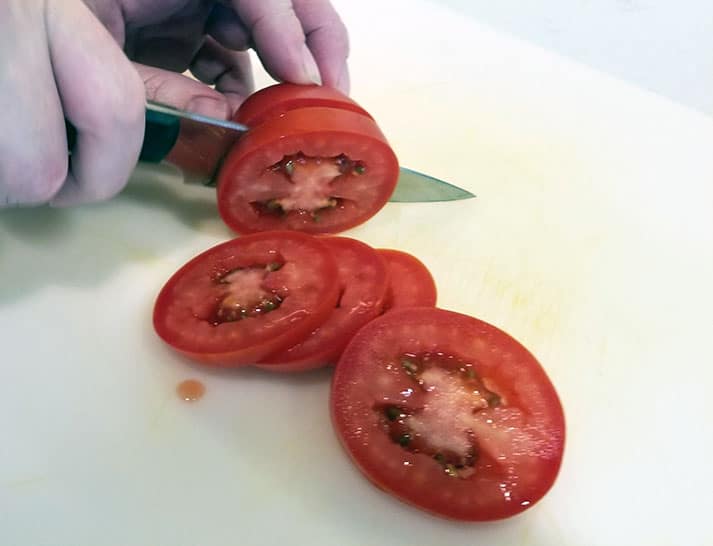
x=203, y=142
x=416, y=187
x=199, y=118
x=200, y=143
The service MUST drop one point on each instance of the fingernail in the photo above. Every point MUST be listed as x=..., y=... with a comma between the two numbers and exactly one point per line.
x=209, y=106
x=310, y=66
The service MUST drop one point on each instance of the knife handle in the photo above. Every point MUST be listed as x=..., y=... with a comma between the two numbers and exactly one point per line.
x=160, y=136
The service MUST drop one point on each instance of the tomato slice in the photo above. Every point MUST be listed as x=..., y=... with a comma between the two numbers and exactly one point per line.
x=244, y=299
x=411, y=283
x=363, y=280
x=318, y=170
x=199, y=149
x=448, y=413
x=275, y=100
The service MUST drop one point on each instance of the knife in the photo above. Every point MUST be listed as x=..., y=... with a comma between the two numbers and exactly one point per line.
x=197, y=144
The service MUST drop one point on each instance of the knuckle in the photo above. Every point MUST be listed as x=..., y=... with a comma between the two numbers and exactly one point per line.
x=342, y=38
x=160, y=87
x=132, y=103
x=120, y=106
x=109, y=189
x=32, y=181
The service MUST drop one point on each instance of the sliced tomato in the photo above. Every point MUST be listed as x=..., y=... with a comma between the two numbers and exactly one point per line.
x=411, y=283
x=246, y=298
x=448, y=413
x=363, y=279
x=199, y=149
x=275, y=100
x=318, y=170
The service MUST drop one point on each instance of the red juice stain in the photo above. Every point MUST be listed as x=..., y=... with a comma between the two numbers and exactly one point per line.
x=190, y=390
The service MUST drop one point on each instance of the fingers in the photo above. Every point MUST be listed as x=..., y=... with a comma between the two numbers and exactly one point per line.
x=228, y=70
x=173, y=41
x=279, y=39
x=102, y=96
x=33, y=151
x=183, y=92
x=301, y=41
x=327, y=39
x=226, y=27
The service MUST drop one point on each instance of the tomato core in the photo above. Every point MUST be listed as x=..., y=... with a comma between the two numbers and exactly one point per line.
x=437, y=418
x=311, y=180
x=244, y=295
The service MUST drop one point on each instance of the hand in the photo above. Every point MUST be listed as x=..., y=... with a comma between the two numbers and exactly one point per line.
x=63, y=58
x=301, y=41
x=57, y=60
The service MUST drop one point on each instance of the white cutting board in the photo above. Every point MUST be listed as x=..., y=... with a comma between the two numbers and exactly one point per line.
x=591, y=241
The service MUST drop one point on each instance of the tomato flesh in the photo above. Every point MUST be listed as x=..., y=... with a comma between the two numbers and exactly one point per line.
x=437, y=418
x=310, y=183
x=318, y=170
x=246, y=294
x=448, y=413
x=241, y=300
x=363, y=279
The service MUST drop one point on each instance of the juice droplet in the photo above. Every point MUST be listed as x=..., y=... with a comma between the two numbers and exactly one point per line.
x=190, y=390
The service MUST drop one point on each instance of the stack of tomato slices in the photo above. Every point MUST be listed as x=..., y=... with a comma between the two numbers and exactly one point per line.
x=284, y=300
x=442, y=410
x=313, y=160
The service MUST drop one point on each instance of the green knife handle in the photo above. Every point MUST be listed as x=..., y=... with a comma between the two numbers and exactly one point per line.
x=160, y=136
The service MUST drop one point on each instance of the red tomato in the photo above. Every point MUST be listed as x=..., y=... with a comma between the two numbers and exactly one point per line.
x=199, y=149
x=275, y=100
x=242, y=300
x=448, y=413
x=318, y=170
x=363, y=280
x=411, y=283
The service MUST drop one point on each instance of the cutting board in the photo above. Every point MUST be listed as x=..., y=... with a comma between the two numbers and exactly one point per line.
x=591, y=241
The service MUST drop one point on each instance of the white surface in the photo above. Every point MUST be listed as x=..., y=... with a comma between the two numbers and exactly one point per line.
x=663, y=46
x=591, y=241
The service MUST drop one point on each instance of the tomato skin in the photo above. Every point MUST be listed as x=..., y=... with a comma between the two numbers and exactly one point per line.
x=199, y=149
x=411, y=283
x=275, y=100
x=247, y=176
x=363, y=279
x=500, y=486
x=307, y=282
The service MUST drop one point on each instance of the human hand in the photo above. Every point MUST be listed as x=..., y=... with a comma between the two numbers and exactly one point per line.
x=58, y=60
x=301, y=41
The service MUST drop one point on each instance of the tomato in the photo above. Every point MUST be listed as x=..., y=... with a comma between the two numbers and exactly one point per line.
x=244, y=299
x=363, y=280
x=448, y=413
x=318, y=170
x=411, y=283
x=199, y=149
x=275, y=100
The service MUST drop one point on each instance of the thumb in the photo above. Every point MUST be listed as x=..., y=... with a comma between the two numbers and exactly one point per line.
x=182, y=92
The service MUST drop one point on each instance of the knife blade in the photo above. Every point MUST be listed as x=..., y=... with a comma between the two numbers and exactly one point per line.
x=197, y=145
x=416, y=187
